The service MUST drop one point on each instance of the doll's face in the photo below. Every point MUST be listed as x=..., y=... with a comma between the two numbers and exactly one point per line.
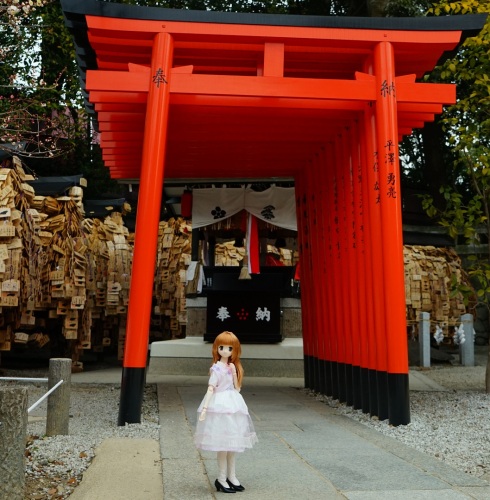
x=225, y=351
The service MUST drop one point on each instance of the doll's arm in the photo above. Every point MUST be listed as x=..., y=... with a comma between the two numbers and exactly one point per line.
x=207, y=397
x=235, y=377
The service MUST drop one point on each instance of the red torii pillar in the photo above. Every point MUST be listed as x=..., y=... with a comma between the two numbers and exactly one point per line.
x=317, y=242
x=361, y=288
x=306, y=279
x=328, y=316
x=392, y=233
x=146, y=233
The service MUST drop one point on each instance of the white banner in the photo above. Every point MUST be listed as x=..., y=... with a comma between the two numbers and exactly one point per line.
x=212, y=205
x=275, y=205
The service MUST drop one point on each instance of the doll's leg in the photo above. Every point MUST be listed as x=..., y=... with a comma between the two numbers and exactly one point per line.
x=222, y=468
x=230, y=459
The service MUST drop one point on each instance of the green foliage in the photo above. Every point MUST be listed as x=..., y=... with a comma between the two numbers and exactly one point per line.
x=467, y=127
x=468, y=121
x=40, y=102
x=457, y=217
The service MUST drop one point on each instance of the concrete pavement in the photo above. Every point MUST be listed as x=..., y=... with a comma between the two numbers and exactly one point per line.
x=126, y=469
x=305, y=451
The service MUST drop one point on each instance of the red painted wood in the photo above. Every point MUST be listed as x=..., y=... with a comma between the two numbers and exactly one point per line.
x=390, y=208
x=148, y=214
x=248, y=101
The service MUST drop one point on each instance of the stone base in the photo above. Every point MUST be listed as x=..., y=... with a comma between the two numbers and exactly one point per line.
x=253, y=367
x=192, y=356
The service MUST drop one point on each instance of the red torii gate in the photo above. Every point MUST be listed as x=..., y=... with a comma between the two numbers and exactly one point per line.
x=191, y=94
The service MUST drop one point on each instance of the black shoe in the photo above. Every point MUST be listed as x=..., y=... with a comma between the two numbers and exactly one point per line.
x=220, y=487
x=236, y=487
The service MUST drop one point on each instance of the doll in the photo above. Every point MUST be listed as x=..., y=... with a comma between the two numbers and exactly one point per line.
x=224, y=424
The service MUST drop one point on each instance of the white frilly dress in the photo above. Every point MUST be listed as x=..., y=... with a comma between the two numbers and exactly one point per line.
x=227, y=426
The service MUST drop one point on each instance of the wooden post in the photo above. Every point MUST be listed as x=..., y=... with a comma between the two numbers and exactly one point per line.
x=13, y=429
x=58, y=414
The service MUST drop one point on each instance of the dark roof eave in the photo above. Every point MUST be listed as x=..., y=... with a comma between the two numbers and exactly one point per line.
x=470, y=24
x=76, y=10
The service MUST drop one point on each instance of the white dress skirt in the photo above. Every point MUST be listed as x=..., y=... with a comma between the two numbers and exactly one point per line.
x=227, y=426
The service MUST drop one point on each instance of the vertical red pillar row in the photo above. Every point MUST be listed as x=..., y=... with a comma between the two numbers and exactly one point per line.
x=146, y=232
x=357, y=281
x=349, y=282
x=367, y=346
x=314, y=220
x=333, y=266
x=375, y=267
x=368, y=174
x=310, y=269
x=339, y=272
x=305, y=284
x=392, y=233
x=323, y=236
x=307, y=208
x=318, y=239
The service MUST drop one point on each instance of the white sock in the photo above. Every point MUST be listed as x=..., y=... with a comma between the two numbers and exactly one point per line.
x=222, y=468
x=230, y=459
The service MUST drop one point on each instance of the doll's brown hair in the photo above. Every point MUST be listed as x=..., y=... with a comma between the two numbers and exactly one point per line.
x=229, y=338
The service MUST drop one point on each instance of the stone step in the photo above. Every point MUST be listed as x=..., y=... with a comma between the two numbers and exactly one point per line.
x=192, y=356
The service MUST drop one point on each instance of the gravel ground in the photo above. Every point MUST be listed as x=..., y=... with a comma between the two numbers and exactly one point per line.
x=55, y=465
x=453, y=426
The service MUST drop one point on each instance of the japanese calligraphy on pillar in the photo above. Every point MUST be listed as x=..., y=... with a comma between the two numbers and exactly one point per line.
x=386, y=161
x=376, y=181
x=391, y=163
x=388, y=89
x=159, y=77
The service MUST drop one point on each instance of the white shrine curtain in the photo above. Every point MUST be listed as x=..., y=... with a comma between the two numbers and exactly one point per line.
x=275, y=205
